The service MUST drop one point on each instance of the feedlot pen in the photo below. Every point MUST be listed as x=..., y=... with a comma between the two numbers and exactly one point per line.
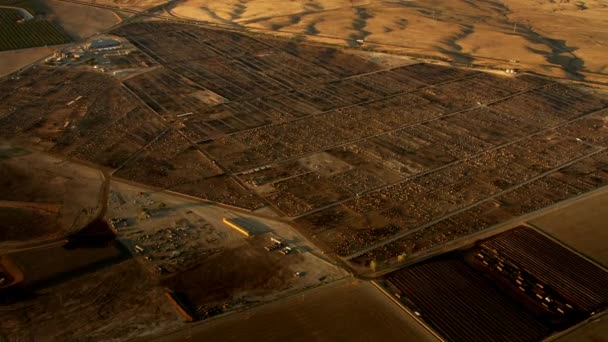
x=370, y=163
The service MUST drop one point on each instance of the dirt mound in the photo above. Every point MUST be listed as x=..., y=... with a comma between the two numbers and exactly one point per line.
x=97, y=234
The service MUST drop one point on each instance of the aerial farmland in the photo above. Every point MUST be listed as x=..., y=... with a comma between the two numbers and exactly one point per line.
x=233, y=175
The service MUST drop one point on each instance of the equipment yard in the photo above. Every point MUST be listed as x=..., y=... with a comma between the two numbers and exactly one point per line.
x=212, y=266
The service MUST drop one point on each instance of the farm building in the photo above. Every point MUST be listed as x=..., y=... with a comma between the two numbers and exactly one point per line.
x=104, y=44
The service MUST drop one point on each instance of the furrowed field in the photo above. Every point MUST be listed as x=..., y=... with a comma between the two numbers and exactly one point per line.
x=27, y=33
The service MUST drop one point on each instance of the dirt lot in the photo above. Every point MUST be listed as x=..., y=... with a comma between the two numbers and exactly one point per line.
x=329, y=313
x=247, y=274
x=96, y=288
x=581, y=225
x=44, y=197
x=113, y=303
x=45, y=266
x=214, y=267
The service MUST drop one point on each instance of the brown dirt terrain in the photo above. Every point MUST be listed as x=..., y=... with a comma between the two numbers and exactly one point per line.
x=44, y=197
x=90, y=116
x=16, y=59
x=80, y=21
x=212, y=267
x=581, y=225
x=91, y=248
x=370, y=162
x=234, y=275
x=594, y=331
x=555, y=38
x=112, y=303
x=19, y=224
x=348, y=309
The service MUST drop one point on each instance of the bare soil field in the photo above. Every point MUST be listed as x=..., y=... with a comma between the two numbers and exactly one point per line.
x=112, y=303
x=349, y=309
x=131, y=4
x=556, y=38
x=84, y=251
x=595, y=330
x=581, y=225
x=44, y=197
x=82, y=288
x=14, y=60
x=80, y=21
x=529, y=285
x=19, y=223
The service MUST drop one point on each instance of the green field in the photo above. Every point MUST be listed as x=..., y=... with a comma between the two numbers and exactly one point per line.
x=30, y=33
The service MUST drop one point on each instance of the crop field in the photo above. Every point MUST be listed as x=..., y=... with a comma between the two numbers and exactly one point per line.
x=371, y=163
x=518, y=285
x=33, y=7
x=576, y=279
x=27, y=33
x=461, y=305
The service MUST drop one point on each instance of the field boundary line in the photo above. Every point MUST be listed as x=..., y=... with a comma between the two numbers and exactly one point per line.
x=253, y=308
x=591, y=320
x=138, y=154
x=565, y=245
x=406, y=310
x=387, y=97
x=204, y=153
x=498, y=228
x=393, y=130
x=472, y=205
x=497, y=147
